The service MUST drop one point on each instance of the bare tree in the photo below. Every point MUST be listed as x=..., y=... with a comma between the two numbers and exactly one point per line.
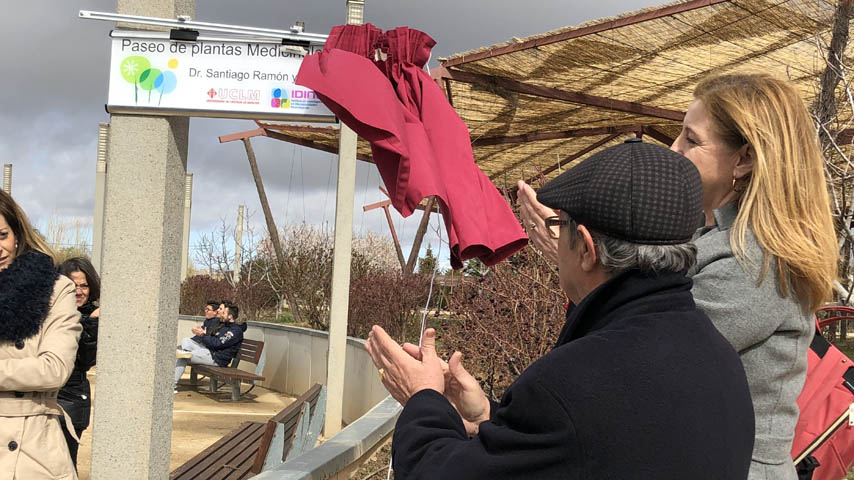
x=832, y=111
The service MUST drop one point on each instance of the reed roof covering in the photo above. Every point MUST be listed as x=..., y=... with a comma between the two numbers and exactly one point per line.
x=537, y=105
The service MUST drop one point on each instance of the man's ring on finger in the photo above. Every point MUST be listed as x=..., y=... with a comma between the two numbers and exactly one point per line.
x=381, y=371
x=532, y=225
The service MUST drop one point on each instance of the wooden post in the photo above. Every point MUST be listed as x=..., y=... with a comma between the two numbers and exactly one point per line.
x=419, y=235
x=271, y=225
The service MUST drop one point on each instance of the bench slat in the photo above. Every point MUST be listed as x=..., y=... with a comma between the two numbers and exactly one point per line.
x=237, y=467
x=250, y=350
x=242, y=452
x=218, y=464
x=227, y=372
x=247, y=434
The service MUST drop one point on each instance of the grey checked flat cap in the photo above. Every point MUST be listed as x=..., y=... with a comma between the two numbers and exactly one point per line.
x=636, y=191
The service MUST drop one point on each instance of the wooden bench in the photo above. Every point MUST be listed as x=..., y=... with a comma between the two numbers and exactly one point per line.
x=250, y=350
x=254, y=447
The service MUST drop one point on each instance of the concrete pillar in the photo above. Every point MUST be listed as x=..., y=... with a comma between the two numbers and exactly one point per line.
x=100, y=192
x=7, y=178
x=341, y=262
x=238, y=245
x=185, y=239
x=140, y=273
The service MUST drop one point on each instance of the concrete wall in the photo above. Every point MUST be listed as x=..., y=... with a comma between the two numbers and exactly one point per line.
x=295, y=359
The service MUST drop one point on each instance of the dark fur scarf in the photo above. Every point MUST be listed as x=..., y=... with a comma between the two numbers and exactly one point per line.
x=25, y=291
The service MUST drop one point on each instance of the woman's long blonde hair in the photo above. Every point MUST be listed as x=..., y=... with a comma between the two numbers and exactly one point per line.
x=26, y=236
x=784, y=200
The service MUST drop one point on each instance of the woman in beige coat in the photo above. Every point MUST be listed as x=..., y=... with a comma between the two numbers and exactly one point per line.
x=39, y=329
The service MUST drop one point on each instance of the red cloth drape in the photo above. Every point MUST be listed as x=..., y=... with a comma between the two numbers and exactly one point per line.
x=419, y=143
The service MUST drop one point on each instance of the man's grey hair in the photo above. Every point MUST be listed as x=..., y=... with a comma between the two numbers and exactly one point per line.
x=619, y=255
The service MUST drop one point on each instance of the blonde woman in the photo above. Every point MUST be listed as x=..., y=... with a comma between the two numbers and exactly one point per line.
x=767, y=255
x=39, y=329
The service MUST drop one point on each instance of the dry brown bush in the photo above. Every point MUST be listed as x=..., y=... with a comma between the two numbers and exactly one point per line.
x=504, y=318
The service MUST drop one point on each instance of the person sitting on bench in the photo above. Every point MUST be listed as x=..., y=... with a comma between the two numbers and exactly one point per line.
x=214, y=313
x=217, y=349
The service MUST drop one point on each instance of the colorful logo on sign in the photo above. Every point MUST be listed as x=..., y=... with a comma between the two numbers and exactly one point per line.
x=280, y=98
x=138, y=71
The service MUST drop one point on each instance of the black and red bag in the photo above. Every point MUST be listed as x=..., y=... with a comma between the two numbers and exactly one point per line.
x=823, y=447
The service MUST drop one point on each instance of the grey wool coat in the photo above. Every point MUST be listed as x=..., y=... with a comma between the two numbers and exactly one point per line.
x=770, y=332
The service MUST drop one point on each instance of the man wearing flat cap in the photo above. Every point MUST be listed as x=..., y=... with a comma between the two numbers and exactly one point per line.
x=640, y=384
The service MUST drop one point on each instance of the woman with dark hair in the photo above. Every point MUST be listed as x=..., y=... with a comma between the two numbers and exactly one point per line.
x=39, y=329
x=75, y=396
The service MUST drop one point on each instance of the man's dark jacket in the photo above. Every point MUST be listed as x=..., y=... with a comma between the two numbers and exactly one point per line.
x=639, y=386
x=225, y=344
x=210, y=326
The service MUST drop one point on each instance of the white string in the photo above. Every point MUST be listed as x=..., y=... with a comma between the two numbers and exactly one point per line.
x=427, y=305
x=432, y=278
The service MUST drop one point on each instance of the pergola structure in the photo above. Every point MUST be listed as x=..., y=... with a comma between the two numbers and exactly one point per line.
x=537, y=105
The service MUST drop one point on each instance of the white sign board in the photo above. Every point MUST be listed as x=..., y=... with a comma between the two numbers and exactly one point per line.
x=208, y=78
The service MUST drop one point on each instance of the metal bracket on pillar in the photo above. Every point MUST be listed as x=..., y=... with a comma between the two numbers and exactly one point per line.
x=100, y=194
x=185, y=240
x=7, y=178
x=238, y=245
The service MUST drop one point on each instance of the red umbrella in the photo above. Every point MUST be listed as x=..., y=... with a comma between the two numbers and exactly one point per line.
x=375, y=83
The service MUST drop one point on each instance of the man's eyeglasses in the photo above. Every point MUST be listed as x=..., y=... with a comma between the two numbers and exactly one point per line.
x=555, y=221
x=82, y=286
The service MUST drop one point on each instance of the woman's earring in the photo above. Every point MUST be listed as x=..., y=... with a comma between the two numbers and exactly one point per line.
x=739, y=185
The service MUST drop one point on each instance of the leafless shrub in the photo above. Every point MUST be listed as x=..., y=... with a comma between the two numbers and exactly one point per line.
x=504, y=318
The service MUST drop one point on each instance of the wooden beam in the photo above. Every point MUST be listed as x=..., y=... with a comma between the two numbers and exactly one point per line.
x=574, y=156
x=580, y=32
x=541, y=136
x=287, y=127
x=258, y=132
x=419, y=235
x=511, y=85
x=845, y=137
x=658, y=135
x=407, y=266
x=374, y=206
x=312, y=144
x=394, y=237
x=271, y=225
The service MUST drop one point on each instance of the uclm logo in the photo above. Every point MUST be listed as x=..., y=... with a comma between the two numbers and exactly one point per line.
x=235, y=95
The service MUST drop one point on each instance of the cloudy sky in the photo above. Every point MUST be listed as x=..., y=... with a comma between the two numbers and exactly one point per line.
x=54, y=86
